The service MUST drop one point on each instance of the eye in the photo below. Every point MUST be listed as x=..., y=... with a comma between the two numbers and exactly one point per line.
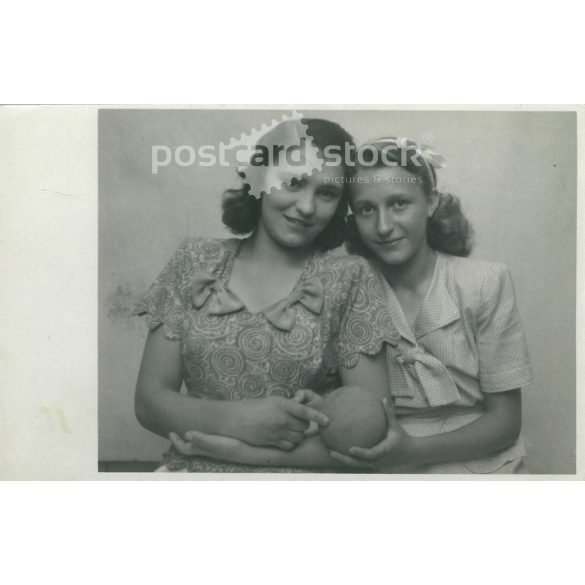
x=399, y=204
x=329, y=194
x=293, y=184
x=364, y=209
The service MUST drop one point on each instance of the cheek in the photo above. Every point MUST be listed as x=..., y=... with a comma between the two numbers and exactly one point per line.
x=276, y=200
x=417, y=221
x=270, y=212
x=327, y=210
x=267, y=210
x=364, y=227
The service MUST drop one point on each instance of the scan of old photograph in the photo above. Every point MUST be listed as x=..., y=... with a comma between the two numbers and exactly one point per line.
x=293, y=292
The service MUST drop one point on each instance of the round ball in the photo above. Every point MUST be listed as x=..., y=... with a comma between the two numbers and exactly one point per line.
x=356, y=419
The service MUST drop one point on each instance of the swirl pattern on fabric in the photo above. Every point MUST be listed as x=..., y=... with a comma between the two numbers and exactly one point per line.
x=238, y=354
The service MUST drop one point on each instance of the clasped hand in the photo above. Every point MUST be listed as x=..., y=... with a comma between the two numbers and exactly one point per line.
x=263, y=422
x=396, y=449
x=274, y=421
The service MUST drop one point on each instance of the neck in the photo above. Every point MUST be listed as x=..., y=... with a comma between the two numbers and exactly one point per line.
x=261, y=248
x=412, y=273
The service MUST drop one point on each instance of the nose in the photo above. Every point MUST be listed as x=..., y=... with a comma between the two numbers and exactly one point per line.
x=306, y=201
x=385, y=224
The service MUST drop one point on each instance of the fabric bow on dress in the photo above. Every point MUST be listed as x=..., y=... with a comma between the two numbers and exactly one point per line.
x=207, y=288
x=221, y=300
x=432, y=375
x=309, y=294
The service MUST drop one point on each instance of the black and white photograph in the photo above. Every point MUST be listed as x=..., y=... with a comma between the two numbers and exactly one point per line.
x=365, y=291
x=292, y=293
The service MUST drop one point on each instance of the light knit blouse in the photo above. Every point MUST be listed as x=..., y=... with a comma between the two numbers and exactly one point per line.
x=467, y=341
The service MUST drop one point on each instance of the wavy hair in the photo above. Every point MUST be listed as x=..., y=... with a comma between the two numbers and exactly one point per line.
x=241, y=210
x=448, y=229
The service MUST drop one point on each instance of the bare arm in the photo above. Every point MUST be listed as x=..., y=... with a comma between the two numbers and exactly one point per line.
x=162, y=409
x=159, y=406
x=370, y=372
x=494, y=431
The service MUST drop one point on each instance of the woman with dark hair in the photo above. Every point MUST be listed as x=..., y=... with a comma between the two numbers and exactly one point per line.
x=242, y=210
x=259, y=328
x=461, y=359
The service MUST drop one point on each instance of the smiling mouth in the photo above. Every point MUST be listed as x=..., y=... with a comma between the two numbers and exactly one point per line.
x=389, y=242
x=298, y=222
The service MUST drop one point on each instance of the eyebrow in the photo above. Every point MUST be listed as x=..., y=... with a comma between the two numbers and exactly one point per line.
x=290, y=175
x=364, y=201
x=385, y=195
x=400, y=194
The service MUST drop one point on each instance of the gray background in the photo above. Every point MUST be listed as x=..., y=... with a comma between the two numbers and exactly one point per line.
x=515, y=173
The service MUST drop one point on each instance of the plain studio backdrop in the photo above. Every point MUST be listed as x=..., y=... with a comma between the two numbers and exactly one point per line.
x=515, y=173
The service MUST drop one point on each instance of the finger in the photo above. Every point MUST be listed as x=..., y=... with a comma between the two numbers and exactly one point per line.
x=312, y=429
x=308, y=397
x=301, y=396
x=308, y=394
x=295, y=424
x=286, y=445
x=177, y=440
x=306, y=413
x=294, y=436
x=389, y=412
x=182, y=446
x=379, y=450
x=192, y=435
x=361, y=453
x=315, y=401
x=201, y=440
x=349, y=461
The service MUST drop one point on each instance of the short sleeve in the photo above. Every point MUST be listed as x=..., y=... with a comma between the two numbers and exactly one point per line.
x=168, y=299
x=365, y=323
x=504, y=363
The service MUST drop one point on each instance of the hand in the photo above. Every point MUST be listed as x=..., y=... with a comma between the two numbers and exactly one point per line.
x=314, y=400
x=273, y=422
x=397, y=448
x=308, y=397
x=226, y=448
x=195, y=443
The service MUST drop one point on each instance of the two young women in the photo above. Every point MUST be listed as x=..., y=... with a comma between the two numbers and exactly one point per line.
x=261, y=328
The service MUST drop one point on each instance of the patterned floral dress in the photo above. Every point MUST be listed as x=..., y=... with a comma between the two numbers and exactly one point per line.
x=336, y=311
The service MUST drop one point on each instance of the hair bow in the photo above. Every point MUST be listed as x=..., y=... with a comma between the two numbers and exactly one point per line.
x=430, y=156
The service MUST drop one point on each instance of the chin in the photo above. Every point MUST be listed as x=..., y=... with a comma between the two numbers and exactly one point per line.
x=390, y=258
x=295, y=242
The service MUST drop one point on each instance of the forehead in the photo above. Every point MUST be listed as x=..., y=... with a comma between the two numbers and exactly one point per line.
x=385, y=182
x=284, y=169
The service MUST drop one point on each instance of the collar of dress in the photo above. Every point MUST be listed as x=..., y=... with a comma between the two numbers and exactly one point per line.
x=210, y=289
x=438, y=308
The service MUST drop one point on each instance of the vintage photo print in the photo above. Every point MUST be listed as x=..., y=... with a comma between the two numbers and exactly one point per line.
x=346, y=291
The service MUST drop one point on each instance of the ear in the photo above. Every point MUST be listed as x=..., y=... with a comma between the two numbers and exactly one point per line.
x=433, y=203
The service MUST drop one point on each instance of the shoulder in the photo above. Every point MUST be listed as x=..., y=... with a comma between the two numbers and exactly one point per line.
x=478, y=285
x=348, y=280
x=204, y=253
x=346, y=274
x=347, y=267
x=208, y=246
x=472, y=274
